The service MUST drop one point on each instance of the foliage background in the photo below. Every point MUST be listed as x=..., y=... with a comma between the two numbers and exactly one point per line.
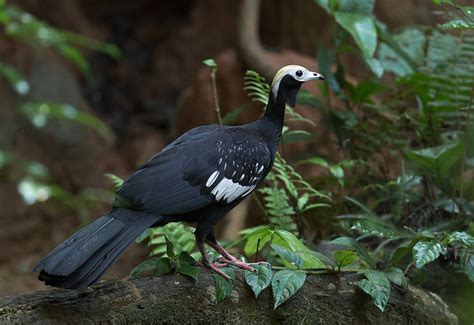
x=91, y=88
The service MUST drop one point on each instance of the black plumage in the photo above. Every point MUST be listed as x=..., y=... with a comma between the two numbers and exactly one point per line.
x=197, y=178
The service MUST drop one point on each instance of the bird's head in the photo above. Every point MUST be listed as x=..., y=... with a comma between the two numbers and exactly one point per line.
x=288, y=80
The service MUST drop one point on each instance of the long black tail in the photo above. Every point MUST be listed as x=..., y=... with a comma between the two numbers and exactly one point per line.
x=81, y=259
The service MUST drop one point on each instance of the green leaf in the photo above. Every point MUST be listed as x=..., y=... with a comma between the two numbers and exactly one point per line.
x=398, y=255
x=302, y=200
x=377, y=286
x=210, y=63
x=316, y=161
x=364, y=90
x=336, y=171
x=402, y=53
x=325, y=61
x=344, y=257
x=356, y=6
x=425, y=252
x=438, y=160
x=296, y=136
x=163, y=266
x=361, y=251
x=364, y=7
x=376, y=227
x=466, y=262
x=461, y=237
x=169, y=248
x=260, y=279
x=313, y=260
x=259, y=236
x=374, y=65
x=14, y=78
x=40, y=112
x=288, y=240
x=362, y=29
x=158, y=266
x=292, y=258
x=285, y=284
x=395, y=275
x=117, y=181
x=144, y=235
x=186, y=265
x=223, y=286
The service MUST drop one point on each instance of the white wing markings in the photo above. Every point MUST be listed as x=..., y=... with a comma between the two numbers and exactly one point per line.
x=229, y=191
x=212, y=178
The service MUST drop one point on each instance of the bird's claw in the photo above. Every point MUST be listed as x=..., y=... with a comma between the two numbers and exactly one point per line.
x=215, y=268
x=237, y=263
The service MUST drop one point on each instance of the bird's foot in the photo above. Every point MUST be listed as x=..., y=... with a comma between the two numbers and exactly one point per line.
x=215, y=268
x=237, y=263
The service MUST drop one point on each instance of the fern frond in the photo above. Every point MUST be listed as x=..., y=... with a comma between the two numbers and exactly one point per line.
x=180, y=235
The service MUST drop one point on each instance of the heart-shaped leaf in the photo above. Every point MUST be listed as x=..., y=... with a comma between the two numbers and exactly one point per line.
x=362, y=29
x=377, y=286
x=158, y=266
x=290, y=257
x=285, y=284
x=425, y=252
x=185, y=265
x=223, y=286
x=260, y=279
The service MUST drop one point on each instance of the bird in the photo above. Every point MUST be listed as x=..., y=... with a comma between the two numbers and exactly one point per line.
x=197, y=178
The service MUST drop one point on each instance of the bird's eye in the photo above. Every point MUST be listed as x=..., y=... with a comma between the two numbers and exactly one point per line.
x=299, y=73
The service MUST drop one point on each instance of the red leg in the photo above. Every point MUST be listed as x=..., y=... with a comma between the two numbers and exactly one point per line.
x=228, y=258
x=206, y=263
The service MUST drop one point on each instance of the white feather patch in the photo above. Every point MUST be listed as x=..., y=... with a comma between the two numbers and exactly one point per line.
x=229, y=191
x=212, y=178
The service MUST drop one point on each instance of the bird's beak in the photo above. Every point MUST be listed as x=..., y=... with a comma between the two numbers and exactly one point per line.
x=310, y=75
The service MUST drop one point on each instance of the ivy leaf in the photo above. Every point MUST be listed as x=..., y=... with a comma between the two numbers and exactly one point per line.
x=169, y=248
x=361, y=251
x=461, y=237
x=223, y=286
x=377, y=286
x=185, y=265
x=285, y=284
x=395, y=275
x=344, y=257
x=362, y=30
x=260, y=279
x=425, y=252
x=467, y=264
x=376, y=227
x=159, y=266
x=290, y=257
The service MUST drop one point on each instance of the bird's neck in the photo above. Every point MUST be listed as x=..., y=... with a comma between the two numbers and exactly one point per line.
x=273, y=118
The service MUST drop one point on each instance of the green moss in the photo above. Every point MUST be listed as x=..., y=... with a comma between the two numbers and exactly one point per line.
x=6, y=313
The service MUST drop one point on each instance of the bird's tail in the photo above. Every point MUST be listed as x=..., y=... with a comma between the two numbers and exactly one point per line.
x=81, y=259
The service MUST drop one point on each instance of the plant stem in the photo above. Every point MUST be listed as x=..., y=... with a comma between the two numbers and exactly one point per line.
x=214, y=95
x=466, y=138
x=317, y=271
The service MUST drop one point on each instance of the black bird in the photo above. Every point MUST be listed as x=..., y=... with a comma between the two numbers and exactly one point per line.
x=197, y=178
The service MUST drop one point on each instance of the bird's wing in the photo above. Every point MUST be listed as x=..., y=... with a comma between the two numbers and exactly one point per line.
x=202, y=168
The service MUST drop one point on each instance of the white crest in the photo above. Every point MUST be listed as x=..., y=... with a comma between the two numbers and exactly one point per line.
x=298, y=72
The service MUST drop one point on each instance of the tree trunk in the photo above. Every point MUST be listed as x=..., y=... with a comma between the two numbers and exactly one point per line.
x=173, y=299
